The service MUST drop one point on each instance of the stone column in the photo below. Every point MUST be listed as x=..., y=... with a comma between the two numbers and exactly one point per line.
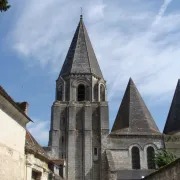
x=44, y=175
x=28, y=171
x=54, y=131
x=87, y=141
x=71, y=171
x=104, y=120
x=64, y=170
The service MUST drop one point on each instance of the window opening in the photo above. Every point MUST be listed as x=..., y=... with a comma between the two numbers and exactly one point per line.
x=102, y=93
x=135, y=158
x=36, y=175
x=81, y=92
x=95, y=152
x=150, y=158
x=59, y=93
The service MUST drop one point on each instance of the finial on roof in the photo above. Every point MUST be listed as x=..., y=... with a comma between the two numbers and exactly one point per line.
x=81, y=16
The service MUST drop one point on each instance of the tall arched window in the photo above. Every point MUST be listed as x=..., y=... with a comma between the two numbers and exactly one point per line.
x=60, y=92
x=81, y=93
x=135, y=158
x=150, y=158
x=102, y=93
x=95, y=92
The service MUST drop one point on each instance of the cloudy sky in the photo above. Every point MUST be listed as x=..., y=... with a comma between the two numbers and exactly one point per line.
x=134, y=38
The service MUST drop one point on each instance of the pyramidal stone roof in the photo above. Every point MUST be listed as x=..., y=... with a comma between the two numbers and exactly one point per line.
x=81, y=58
x=173, y=120
x=133, y=116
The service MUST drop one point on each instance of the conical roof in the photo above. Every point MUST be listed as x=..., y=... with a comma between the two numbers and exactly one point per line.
x=173, y=119
x=81, y=58
x=133, y=116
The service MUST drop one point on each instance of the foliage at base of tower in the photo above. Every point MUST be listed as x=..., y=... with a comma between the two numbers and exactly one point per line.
x=4, y=6
x=164, y=157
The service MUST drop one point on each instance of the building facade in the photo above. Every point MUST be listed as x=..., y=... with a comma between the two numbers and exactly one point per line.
x=79, y=131
x=12, y=139
x=21, y=157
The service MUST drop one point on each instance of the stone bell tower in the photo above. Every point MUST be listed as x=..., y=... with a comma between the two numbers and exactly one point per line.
x=80, y=120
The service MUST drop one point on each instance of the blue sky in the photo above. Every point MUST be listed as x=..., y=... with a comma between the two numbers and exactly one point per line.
x=134, y=38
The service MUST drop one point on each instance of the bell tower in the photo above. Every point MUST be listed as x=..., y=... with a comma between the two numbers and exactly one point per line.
x=79, y=118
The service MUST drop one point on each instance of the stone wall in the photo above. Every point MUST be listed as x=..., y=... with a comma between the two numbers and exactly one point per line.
x=35, y=164
x=12, y=133
x=120, y=149
x=172, y=144
x=12, y=164
x=12, y=141
x=169, y=172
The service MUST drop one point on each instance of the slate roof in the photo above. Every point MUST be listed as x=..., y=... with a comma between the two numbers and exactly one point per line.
x=81, y=58
x=133, y=116
x=173, y=119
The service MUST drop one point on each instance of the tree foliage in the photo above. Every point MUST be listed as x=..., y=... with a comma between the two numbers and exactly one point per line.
x=164, y=157
x=4, y=6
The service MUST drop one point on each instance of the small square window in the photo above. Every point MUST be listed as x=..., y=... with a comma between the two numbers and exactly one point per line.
x=95, y=151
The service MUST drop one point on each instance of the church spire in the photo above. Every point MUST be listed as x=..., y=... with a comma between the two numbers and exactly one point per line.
x=81, y=58
x=133, y=116
x=173, y=120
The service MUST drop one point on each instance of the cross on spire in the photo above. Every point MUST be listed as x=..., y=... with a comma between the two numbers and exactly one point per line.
x=81, y=13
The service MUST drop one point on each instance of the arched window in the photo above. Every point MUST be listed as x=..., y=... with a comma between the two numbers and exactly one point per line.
x=102, y=93
x=81, y=93
x=150, y=158
x=135, y=158
x=59, y=93
x=95, y=92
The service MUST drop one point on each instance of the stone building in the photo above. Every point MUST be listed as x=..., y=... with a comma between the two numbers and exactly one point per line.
x=38, y=164
x=79, y=131
x=12, y=138
x=21, y=157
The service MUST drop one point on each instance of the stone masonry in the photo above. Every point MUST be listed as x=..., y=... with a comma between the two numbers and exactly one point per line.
x=79, y=131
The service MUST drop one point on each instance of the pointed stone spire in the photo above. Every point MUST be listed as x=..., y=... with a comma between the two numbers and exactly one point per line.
x=81, y=58
x=173, y=120
x=133, y=116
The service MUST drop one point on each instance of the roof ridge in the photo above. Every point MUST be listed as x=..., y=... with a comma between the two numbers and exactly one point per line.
x=86, y=46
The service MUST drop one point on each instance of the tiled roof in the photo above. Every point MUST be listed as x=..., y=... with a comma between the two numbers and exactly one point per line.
x=33, y=146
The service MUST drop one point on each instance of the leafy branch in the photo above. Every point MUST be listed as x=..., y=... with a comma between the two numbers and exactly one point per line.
x=4, y=6
x=164, y=157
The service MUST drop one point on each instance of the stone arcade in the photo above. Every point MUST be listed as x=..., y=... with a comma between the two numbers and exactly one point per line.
x=79, y=131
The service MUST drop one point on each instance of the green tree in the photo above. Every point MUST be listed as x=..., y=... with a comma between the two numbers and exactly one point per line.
x=4, y=6
x=164, y=157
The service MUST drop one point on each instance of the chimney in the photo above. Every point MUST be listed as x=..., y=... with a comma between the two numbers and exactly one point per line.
x=23, y=106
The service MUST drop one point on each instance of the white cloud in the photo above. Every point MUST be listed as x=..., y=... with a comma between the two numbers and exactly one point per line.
x=131, y=39
x=40, y=130
x=162, y=11
x=96, y=11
